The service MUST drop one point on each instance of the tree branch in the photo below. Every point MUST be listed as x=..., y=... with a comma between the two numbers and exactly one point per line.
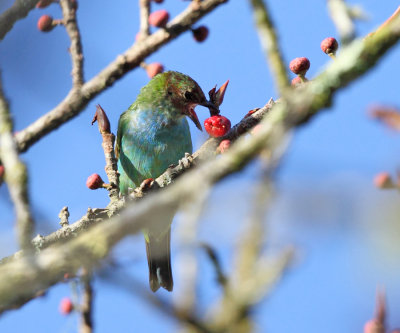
x=144, y=6
x=87, y=304
x=96, y=215
x=71, y=25
x=17, y=11
x=342, y=19
x=269, y=41
x=111, y=167
x=16, y=175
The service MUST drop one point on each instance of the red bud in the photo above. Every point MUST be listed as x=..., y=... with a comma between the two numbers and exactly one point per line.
x=94, y=182
x=1, y=173
x=224, y=146
x=329, y=45
x=45, y=23
x=221, y=93
x=154, y=69
x=102, y=120
x=383, y=180
x=66, y=306
x=159, y=18
x=217, y=97
x=200, y=34
x=299, y=66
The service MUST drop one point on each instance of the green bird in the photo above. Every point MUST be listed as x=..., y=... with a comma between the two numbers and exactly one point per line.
x=153, y=134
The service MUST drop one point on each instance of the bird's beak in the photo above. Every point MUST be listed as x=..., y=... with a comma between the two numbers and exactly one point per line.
x=193, y=116
x=211, y=106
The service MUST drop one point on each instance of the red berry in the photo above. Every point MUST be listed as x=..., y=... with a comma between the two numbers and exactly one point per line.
x=329, y=45
x=154, y=69
x=159, y=18
x=217, y=126
x=158, y=1
x=94, y=182
x=200, y=34
x=224, y=146
x=45, y=23
x=299, y=66
x=44, y=3
x=383, y=180
x=66, y=306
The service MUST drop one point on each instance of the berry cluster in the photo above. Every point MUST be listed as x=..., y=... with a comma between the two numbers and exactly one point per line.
x=159, y=19
x=300, y=66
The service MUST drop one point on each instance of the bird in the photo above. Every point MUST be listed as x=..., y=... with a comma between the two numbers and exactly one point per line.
x=153, y=134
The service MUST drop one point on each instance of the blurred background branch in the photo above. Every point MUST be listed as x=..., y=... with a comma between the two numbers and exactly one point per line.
x=17, y=11
x=16, y=175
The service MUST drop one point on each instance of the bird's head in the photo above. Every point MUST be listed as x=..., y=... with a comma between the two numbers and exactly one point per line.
x=185, y=94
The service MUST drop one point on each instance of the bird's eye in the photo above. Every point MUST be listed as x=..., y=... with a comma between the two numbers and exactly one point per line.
x=189, y=96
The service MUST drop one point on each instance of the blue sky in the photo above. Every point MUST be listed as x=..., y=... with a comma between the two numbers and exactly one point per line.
x=344, y=230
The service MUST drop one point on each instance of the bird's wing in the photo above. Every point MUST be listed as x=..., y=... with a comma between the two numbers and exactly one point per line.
x=119, y=134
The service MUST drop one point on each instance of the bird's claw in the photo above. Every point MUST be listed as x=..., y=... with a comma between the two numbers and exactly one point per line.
x=146, y=184
x=142, y=189
x=186, y=162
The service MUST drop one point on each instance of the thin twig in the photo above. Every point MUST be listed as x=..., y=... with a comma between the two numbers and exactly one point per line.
x=17, y=11
x=123, y=280
x=343, y=20
x=144, y=19
x=186, y=261
x=86, y=325
x=111, y=167
x=64, y=214
x=388, y=21
x=71, y=25
x=245, y=286
x=269, y=41
x=212, y=254
x=16, y=176
x=74, y=103
x=251, y=242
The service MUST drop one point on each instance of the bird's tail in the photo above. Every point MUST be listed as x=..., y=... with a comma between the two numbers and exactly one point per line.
x=159, y=261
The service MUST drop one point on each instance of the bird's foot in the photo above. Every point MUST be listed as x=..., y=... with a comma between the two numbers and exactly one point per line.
x=186, y=162
x=144, y=187
x=146, y=184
